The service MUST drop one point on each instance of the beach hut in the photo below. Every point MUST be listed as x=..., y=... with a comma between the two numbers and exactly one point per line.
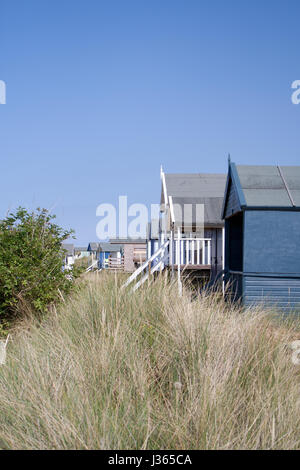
x=110, y=256
x=134, y=252
x=261, y=210
x=191, y=207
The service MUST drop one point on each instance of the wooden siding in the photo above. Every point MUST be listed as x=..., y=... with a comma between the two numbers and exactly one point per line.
x=272, y=242
x=132, y=254
x=232, y=203
x=283, y=293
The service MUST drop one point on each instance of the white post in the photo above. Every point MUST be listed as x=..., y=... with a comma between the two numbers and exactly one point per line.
x=187, y=247
x=178, y=266
x=209, y=253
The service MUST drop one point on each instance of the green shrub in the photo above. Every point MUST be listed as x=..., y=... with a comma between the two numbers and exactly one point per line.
x=31, y=262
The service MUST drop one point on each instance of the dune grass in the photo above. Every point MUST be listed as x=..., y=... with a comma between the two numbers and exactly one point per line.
x=113, y=370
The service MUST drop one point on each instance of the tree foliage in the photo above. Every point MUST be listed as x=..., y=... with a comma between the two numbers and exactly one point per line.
x=31, y=261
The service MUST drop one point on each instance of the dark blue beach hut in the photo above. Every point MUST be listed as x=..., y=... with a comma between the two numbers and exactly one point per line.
x=261, y=209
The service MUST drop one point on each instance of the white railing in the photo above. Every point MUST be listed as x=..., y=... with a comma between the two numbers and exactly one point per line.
x=93, y=265
x=191, y=251
x=154, y=263
x=180, y=252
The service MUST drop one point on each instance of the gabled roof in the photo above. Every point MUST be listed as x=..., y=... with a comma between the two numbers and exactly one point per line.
x=109, y=247
x=93, y=246
x=263, y=186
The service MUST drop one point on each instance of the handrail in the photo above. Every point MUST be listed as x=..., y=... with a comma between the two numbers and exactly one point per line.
x=191, y=239
x=146, y=264
x=91, y=266
x=152, y=270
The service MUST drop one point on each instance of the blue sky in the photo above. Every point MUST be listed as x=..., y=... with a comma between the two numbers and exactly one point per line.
x=101, y=93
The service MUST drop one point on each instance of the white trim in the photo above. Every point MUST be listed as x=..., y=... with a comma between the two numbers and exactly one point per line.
x=163, y=181
x=172, y=209
x=178, y=264
x=145, y=265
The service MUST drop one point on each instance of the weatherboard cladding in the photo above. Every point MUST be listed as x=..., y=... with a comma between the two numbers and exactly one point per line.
x=281, y=292
x=271, y=242
x=232, y=205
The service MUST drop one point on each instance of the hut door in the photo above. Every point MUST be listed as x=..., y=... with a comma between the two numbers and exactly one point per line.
x=235, y=241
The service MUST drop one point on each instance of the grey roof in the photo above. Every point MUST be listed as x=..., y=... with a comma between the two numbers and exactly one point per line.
x=80, y=249
x=195, y=185
x=189, y=210
x=109, y=247
x=69, y=248
x=127, y=240
x=198, y=188
x=93, y=246
x=270, y=186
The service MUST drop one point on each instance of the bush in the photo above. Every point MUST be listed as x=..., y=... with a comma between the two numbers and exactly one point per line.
x=30, y=262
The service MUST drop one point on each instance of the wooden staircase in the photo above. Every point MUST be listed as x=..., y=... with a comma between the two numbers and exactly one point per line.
x=156, y=262
x=180, y=253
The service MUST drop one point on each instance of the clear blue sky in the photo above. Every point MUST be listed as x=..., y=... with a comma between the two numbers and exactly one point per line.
x=100, y=93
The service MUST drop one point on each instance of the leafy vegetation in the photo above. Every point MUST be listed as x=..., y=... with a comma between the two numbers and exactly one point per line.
x=109, y=369
x=31, y=256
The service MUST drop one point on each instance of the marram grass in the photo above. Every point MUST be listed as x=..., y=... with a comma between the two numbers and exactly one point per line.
x=150, y=370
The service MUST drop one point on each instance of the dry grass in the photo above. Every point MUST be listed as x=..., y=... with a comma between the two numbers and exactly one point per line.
x=112, y=370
